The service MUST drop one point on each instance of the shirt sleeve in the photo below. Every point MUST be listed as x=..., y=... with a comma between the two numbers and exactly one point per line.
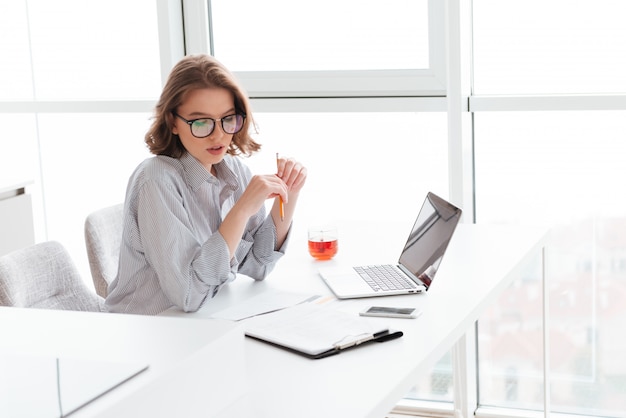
x=261, y=257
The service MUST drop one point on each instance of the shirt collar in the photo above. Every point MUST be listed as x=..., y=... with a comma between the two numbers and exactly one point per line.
x=197, y=175
x=226, y=173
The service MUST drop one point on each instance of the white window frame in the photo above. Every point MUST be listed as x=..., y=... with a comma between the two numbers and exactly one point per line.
x=292, y=84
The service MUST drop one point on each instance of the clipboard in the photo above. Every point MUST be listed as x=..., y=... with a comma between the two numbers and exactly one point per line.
x=316, y=331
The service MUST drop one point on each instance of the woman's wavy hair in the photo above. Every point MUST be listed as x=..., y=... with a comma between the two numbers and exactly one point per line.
x=191, y=73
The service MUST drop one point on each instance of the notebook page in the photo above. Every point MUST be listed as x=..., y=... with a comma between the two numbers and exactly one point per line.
x=311, y=328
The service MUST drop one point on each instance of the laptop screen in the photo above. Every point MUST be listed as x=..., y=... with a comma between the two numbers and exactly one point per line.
x=429, y=238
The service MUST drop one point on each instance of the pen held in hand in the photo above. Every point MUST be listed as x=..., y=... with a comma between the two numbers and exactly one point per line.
x=282, y=204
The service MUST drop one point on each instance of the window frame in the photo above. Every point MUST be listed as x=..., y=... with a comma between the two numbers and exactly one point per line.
x=431, y=82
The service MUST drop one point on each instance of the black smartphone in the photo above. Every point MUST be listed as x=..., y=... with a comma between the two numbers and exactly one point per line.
x=391, y=312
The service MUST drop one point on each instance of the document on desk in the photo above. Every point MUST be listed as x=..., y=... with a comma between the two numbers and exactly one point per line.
x=269, y=301
x=316, y=331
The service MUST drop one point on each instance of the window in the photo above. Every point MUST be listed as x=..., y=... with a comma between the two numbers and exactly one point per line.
x=71, y=70
x=358, y=160
x=538, y=164
x=563, y=170
x=18, y=140
x=326, y=48
x=554, y=47
x=15, y=83
x=324, y=35
x=80, y=58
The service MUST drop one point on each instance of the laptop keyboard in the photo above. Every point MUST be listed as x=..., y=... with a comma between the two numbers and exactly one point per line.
x=384, y=277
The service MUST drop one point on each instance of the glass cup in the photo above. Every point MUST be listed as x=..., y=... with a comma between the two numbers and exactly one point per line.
x=323, y=242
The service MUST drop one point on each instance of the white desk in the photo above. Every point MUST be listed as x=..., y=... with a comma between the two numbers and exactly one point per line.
x=370, y=380
x=185, y=358
x=201, y=368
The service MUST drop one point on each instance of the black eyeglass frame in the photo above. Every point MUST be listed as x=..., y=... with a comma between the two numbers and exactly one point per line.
x=220, y=120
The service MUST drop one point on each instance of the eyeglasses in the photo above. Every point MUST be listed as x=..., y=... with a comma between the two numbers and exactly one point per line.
x=203, y=127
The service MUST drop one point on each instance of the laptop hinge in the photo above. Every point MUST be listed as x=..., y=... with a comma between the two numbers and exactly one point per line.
x=412, y=276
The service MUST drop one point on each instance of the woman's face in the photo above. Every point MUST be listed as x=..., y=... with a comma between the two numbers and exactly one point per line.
x=212, y=103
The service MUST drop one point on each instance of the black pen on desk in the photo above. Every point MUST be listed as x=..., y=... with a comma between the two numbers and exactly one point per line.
x=282, y=204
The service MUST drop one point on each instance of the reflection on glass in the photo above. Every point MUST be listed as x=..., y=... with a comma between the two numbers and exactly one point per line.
x=563, y=170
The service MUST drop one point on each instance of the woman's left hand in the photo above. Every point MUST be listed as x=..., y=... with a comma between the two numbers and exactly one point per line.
x=292, y=173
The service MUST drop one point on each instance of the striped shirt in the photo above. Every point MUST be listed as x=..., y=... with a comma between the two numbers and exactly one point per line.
x=172, y=253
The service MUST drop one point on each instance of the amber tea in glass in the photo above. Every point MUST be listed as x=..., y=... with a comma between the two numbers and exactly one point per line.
x=323, y=243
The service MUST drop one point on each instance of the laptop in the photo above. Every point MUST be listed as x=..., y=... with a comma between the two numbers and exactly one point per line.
x=418, y=263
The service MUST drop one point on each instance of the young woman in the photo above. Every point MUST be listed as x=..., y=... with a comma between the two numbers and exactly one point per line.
x=194, y=213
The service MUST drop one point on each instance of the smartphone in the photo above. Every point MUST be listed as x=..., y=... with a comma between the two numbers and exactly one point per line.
x=391, y=312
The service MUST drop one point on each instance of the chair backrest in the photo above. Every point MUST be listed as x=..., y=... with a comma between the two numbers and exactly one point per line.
x=45, y=276
x=103, y=239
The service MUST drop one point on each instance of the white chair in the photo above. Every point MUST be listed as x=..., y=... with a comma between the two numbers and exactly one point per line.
x=103, y=239
x=45, y=276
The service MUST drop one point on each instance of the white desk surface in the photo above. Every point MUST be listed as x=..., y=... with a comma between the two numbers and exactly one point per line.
x=176, y=382
x=368, y=381
x=259, y=380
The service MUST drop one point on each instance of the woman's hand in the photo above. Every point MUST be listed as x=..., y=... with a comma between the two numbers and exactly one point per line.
x=285, y=184
x=261, y=188
x=292, y=173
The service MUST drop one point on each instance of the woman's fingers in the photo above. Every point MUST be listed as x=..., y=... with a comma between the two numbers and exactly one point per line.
x=292, y=173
